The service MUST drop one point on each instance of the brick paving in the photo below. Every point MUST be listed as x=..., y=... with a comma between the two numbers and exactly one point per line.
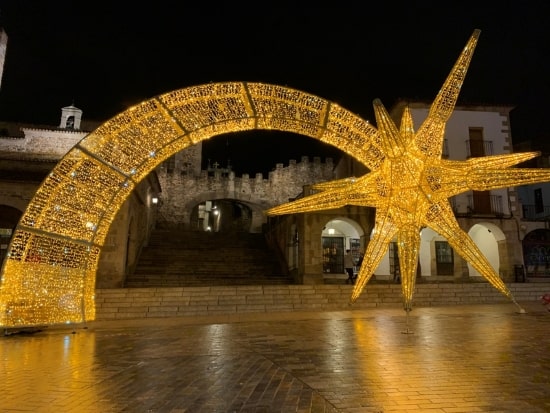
x=475, y=358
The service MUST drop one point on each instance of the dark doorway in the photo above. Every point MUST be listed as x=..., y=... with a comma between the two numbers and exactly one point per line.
x=222, y=215
x=444, y=258
x=333, y=255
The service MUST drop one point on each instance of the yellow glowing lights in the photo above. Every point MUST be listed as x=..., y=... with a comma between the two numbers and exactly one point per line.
x=49, y=274
x=409, y=185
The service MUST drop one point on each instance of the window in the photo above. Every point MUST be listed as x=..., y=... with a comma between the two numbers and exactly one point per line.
x=539, y=205
x=476, y=142
x=444, y=258
x=70, y=122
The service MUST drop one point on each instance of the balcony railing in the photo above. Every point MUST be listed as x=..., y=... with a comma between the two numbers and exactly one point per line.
x=478, y=148
x=494, y=208
x=532, y=213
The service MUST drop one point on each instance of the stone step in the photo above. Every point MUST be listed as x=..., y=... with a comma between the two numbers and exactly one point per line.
x=193, y=258
x=130, y=303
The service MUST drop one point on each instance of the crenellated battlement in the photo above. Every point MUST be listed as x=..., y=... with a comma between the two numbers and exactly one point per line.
x=184, y=184
x=181, y=192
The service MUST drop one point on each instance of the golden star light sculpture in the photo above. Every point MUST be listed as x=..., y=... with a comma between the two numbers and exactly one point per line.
x=410, y=186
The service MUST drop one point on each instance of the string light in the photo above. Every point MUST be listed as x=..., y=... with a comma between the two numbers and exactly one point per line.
x=409, y=185
x=48, y=276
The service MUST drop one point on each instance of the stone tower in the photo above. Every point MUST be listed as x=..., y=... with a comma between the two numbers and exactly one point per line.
x=71, y=117
x=3, y=49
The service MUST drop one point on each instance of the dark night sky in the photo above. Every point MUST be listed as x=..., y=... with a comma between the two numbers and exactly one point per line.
x=107, y=56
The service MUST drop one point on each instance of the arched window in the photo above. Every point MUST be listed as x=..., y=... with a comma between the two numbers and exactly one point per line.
x=69, y=124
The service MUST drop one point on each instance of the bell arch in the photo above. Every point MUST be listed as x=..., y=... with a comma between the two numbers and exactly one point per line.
x=49, y=274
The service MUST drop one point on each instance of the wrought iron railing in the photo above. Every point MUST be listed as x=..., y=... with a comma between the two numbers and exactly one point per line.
x=479, y=148
x=495, y=206
x=536, y=213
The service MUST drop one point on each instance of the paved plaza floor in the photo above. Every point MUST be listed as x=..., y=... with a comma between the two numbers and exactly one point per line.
x=479, y=358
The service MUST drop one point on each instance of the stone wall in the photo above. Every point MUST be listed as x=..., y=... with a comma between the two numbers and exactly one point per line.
x=181, y=191
x=17, y=194
x=42, y=143
x=138, y=303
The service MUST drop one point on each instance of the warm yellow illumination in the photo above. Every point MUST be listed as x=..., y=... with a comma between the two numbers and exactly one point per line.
x=409, y=185
x=48, y=276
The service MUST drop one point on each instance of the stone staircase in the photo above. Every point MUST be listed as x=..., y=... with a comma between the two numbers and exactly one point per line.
x=176, y=258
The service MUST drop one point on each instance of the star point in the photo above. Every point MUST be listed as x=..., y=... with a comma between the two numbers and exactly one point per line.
x=411, y=184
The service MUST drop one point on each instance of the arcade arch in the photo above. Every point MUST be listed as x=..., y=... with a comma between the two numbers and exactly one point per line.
x=490, y=239
x=222, y=215
x=437, y=259
x=536, y=253
x=338, y=235
x=49, y=274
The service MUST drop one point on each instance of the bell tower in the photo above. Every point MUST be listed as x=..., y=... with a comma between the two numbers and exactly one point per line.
x=70, y=117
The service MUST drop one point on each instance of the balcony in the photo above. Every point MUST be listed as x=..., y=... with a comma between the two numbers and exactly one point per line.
x=476, y=148
x=535, y=213
x=482, y=203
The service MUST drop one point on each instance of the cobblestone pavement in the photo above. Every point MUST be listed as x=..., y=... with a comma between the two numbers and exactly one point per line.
x=481, y=358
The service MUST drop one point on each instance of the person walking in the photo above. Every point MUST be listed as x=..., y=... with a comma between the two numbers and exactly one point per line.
x=358, y=265
x=348, y=266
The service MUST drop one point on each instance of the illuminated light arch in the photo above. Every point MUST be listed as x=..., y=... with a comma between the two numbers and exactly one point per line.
x=50, y=272
x=49, y=275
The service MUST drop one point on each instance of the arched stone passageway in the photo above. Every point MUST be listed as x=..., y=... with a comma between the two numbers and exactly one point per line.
x=250, y=214
x=9, y=216
x=340, y=234
x=490, y=239
x=222, y=215
x=49, y=274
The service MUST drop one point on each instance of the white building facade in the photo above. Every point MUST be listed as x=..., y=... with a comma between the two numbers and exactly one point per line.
x=493, y=219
